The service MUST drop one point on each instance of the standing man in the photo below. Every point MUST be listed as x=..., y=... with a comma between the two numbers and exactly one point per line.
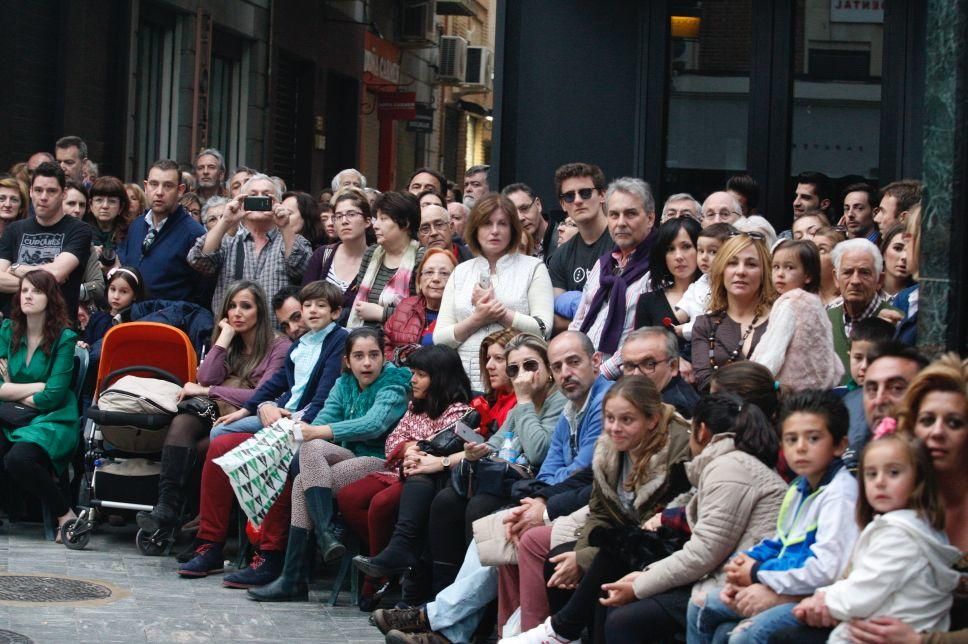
x=71, y=153
x=426, y=179
x=158, y=243
x=859, y=212
x=49, y=240
x=813, y=192
x=581, y=194
x=209, y=174
x=897, y=200
x=348, y=177
x=475, y=184
x=607, y=308
x=543, y=231
x=721, y=208
x=458, y=218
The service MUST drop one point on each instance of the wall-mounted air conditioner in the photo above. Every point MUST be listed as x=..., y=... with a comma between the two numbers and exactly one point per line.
x=480, y=63
x=417, y=28
x=452, y=60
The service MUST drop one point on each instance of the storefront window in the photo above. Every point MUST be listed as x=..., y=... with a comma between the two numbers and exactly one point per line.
x=708, y=95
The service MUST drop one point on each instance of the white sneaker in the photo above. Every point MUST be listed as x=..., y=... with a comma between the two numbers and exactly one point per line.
x=541, y=634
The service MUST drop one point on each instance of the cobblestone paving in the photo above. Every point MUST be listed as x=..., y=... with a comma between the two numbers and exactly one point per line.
x=159, y=606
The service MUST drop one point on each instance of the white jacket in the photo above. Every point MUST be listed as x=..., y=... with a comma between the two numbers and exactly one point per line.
x=901, y=567
x=520, y=282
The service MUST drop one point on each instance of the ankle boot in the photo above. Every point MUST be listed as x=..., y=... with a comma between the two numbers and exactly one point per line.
x=176, y=468
x=319, y=506
x=292, y=585
x=408, y=534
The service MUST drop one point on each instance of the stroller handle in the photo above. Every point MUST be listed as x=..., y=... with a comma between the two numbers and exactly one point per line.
x=150, y=422
x=161, y=373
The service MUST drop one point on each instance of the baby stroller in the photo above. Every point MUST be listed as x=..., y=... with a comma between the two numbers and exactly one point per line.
x=122, y=450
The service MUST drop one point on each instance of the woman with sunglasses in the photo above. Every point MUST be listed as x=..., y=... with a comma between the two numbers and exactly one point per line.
x=741, y=295
x=523, y=440
x=411, y=325
x=500, y=288
x=339, y=263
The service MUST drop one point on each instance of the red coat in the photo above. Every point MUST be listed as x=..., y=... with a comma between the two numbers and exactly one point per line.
x=406, y=324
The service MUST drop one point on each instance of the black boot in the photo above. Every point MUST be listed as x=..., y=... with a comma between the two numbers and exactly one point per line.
x=408, y=534
x=176, y=468
x=292, y=585
x=444, y=575
x=319, y=506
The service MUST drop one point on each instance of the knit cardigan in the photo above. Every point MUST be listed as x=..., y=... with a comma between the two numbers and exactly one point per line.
x=361, y=418
x=735, y=505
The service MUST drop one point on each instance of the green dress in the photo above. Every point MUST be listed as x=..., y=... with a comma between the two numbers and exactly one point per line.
x=56, y=428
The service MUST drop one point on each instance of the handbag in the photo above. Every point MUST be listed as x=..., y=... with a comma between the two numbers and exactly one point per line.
x=224, y=407
x=494, y=476
x=446, y=442
x=14, y=415
x=203, y=407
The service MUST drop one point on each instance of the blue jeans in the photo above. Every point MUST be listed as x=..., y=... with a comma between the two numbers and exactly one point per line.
x=717, y=623
x=457, y=609
x=247, y=425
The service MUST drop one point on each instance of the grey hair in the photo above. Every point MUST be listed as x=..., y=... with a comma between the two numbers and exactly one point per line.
x=734, y=203
x=213, y=202
x=837, y=254
x=671, y=344
x=755, y=223
x=212, y=152
x=635, y=187
x=335, y=183
x=684, y=196
x=372, y=191
x=72, y=142
x=477, y=169
x=277, y=193
x=464, y=209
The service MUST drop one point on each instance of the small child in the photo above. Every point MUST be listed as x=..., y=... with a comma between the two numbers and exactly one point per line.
x=902, y=563
x=815, y=531
x=864, y=336
x=125, y=287
x=696, y=298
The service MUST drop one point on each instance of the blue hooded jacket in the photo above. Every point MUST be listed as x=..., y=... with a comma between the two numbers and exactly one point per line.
x=563, y=459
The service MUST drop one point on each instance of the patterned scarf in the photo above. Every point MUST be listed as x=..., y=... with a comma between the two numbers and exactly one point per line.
x=396, y=289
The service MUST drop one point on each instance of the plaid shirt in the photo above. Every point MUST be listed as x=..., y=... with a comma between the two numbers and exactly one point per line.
x=271, y=268
x=870, y=311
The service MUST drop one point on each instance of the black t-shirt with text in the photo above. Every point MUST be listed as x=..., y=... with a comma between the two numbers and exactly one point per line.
x=27, y=242
x=571, y=263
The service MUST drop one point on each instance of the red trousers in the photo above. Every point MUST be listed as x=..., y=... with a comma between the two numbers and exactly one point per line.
x=369, y=507
x=217, y=498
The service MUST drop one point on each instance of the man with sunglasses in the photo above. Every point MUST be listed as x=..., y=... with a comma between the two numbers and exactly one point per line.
x=542, y=228
x=652, y=351
x=581, y=194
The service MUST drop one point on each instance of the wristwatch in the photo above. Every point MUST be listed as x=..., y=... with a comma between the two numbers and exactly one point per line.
x=445, y=461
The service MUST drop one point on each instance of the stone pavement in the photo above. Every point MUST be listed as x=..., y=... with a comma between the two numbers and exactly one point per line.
x=155, y=604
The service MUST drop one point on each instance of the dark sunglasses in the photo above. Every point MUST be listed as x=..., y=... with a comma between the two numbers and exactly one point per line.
x=752, y=234
x=584, y=193
x=529, y=365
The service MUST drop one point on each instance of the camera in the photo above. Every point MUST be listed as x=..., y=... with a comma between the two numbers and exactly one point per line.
x=108, y=257
x=257, y=203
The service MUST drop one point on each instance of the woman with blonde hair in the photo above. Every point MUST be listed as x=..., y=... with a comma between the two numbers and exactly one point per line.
x=740, y=300
x=13, y=201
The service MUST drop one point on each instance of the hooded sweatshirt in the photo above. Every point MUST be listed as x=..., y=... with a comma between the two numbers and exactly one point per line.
x=901, y=567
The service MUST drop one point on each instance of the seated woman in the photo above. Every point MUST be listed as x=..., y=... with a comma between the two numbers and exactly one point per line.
x=500, y=288
x=642, y=441
x=439, y=397
x=798, y=346
x=736, y=501
x=498, y=398
x=411, y=325
x=739, y=303
x=37, y=355
x=523, y=439
x=341, y=446
x=245, y=353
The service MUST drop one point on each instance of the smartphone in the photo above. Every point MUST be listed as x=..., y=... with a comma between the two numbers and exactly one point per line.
x=468, y=434
x=257, y=203
x=484, y=281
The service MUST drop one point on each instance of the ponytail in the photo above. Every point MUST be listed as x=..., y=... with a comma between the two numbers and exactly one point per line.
x=754, y=434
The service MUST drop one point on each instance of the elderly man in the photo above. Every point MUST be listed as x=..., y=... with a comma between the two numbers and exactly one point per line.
x=475, y=184
x=542, y=231
x=653, y=352
x=265, y=249
x=71, y=153
x=458, y=217
x=681, y=204
x=720, y=208
x=607, y=308
x=209, y=172
x=239, y=176
x=435, y=232
x=858, y=273
x=348, y=177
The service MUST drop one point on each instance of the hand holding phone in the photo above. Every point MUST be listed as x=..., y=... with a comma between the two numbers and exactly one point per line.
x=467, y=434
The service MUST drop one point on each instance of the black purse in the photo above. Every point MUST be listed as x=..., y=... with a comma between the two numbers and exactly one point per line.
x=446, y=441
x=14, y=415
x=202, y=407
x=494, y=476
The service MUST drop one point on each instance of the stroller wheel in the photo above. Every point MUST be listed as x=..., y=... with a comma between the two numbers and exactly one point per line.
x=154, y=544
x=76, y=533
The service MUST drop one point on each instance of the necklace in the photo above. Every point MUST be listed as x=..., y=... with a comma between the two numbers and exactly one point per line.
x=735, y=353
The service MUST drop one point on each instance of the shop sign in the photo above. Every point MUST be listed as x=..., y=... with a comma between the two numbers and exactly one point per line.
x=869, y=11
x=381, y=61
x=423, y=121
x=396, y=106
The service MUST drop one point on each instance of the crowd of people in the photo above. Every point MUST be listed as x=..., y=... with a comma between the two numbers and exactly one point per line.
x=684, y=424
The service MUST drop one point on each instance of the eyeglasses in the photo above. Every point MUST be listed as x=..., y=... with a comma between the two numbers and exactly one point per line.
x=528, y=365
x=722, y=214
x=646, y=366
x=752, y=234
x=439, y=226
x=430, y=274
x=524, y=209
x=584, y=193
x=346, y=216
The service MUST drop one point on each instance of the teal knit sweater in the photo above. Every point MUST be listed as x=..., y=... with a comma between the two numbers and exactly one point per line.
x=361, y=419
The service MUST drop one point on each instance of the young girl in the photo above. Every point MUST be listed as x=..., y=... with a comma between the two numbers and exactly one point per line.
x=125, y=287
x=902, y=563
x=798, y=345
x=695, y=300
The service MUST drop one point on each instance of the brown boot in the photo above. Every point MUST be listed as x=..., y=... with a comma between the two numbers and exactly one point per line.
x=427, y=637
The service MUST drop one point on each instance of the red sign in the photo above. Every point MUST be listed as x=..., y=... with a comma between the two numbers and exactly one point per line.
x=396, y=106
x=381, y=61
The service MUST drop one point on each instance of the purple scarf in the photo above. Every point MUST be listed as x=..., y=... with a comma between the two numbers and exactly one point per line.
x=612, y=287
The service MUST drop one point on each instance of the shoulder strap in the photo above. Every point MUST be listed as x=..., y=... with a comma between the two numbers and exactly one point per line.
x=239, y=257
